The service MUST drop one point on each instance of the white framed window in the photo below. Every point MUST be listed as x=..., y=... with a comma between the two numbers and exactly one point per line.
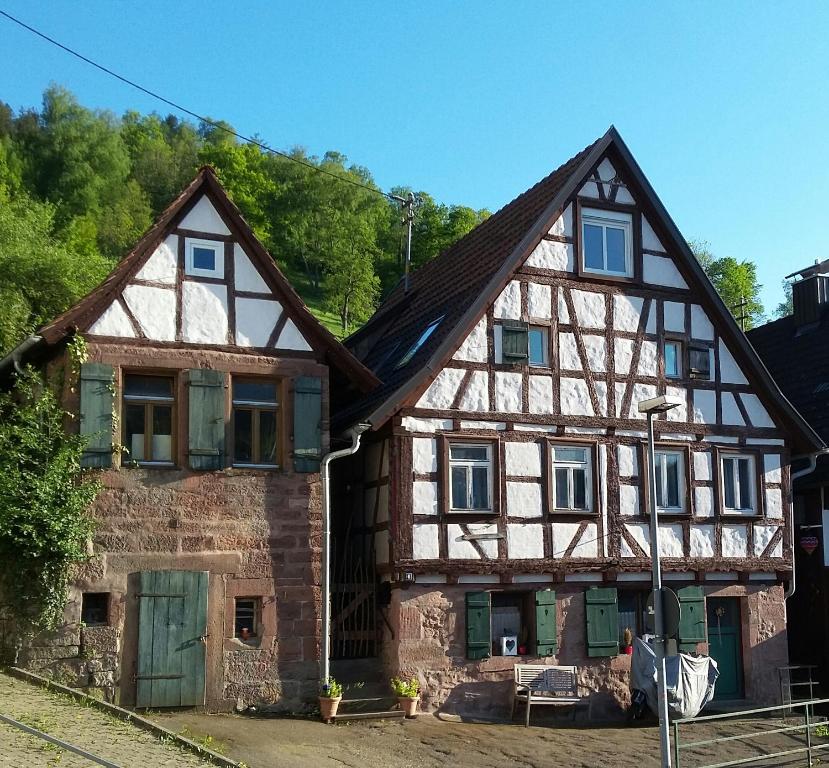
x=572, y=478
x=607, y=242
x=673, y=359
x=739, y=485
x=670, y=482
x=538, y=346
x=470, y=477
x=204, y=258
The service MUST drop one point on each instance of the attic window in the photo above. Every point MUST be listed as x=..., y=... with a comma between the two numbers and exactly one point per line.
x=421, y=340
x=606, y=247
x=204, y=258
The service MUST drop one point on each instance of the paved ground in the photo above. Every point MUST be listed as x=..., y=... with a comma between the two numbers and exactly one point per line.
x=429, y=742
x=83, y=726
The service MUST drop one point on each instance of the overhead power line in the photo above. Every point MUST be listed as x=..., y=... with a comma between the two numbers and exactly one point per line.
x=190, y=112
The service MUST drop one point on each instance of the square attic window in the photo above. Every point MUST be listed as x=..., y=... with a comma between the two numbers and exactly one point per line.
x=204, y=258
x=421, y=340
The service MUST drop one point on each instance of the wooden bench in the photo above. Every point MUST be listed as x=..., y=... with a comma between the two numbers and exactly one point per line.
x=546, y=684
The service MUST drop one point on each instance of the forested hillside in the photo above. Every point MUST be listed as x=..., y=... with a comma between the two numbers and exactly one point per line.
x=78, y=187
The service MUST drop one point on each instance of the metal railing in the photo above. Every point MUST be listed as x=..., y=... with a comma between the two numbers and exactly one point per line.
x=808, y=748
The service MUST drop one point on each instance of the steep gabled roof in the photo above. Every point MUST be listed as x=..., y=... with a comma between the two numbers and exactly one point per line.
x=465, y=279
x=84, y=313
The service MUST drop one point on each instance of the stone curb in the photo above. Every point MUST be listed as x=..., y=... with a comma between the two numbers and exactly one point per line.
x=125, y=715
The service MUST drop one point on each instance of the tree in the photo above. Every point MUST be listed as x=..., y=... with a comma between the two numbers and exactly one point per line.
x=735, y=281
x=785, y=307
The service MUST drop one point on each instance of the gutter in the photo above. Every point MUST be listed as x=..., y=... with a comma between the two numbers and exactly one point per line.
x=16, y=355
x=325, y=656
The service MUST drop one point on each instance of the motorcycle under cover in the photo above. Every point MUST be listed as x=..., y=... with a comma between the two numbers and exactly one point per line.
x=690, y=680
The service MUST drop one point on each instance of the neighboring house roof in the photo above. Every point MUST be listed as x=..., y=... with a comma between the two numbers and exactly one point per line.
x=464, y=280
x=86, y=311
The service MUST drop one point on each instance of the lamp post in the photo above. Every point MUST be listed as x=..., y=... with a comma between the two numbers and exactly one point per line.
x=651, y=407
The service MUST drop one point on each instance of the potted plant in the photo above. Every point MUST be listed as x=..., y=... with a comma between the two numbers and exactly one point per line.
x=331, y=693
x=627, y=641
x=408, y=694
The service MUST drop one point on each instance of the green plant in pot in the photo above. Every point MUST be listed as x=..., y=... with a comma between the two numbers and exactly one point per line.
x=408, y=694
x=331, y=693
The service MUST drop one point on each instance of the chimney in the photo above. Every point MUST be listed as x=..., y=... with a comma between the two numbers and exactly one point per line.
x=810, y=294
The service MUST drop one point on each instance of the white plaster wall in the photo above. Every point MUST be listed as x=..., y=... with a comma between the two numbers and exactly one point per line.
x=291, y=338
x=383, y=504
x=372, y=461
x=595, y=348
x=161, y=267
x=756, y=412
x=640, y=392
x=442, y=390
x=590, y=308
x=601, y=396
x=628, y=460
x=525, y=541
x=661, y=270
x=562, y=535
x=413, y=424
x=568, y=352
x=640, y=534
x=622, y=355
x=702, y=541
x=563, y=225
x=701, y=327
x=475, y=424
x=424, y=498
x=463, y=550
x=474, y=347
x=550, y=254
x=670, y=540
x=734, y=541
x=702, y=465
x=674, y=316
x=541, y=394
x=628, y=500
x=424, y=455
x=648, y=358
x=255, y=321
x=539, y=300
x=113, y=322
x=508, y=304
x=155, y=311
x=523, y=459
x=247, y=277
x=705, y=406
x=704, y=502
x=649, y=238
x=563, y=312
x=425, y=542
x=772, y=468
x=627, y=311
x=524, y=499
x=575, y=398
x=680, y=413
x=590, y=189
x=476, y=397
x=762, y=536
x=381, y=546
x=204, y=218
x=730, y=412
x=730, y=372
x=508, y=392
x=774, y=503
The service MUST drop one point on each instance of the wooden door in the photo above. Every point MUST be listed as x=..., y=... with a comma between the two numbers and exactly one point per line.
x=172, y=622
x=725, y=645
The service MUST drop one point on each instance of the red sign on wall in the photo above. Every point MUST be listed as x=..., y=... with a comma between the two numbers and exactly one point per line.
x=809, y=544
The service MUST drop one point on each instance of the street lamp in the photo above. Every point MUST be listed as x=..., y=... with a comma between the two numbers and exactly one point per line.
x=650, y=407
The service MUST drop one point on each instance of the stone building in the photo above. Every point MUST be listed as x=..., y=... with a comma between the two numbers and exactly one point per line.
x=500, y=496
x=206, y=399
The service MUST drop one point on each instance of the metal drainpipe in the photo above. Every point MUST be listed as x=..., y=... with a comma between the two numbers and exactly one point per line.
x=813, y=457
x=325, y=659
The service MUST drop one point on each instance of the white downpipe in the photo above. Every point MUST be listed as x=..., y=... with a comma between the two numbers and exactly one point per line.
x=325, y=657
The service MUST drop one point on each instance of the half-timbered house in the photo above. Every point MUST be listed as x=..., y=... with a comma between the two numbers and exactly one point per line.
x=205, y=398
x=501, y=493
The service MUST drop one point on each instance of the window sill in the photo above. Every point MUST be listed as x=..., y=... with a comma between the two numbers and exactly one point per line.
x=255, y=466
x=471, y=512
x=148, y=465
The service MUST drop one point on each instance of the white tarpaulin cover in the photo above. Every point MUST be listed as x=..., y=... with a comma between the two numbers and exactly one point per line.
x=689, y=680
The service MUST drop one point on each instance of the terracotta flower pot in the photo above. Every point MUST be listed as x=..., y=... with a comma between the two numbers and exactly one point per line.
x=328, y=707
x=409, y=705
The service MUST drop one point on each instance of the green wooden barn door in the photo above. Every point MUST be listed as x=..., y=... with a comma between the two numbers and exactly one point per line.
x=172, y=622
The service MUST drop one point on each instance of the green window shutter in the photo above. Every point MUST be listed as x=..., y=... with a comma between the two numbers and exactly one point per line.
x=96, y=414
x=514, y=342
x=478, y=640
x=691, y=618
x=307, y=423
x=206, y=426
x=546, y=640
x=602, y=612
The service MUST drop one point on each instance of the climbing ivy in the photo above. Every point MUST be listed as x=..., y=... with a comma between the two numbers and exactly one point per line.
x=44, y=498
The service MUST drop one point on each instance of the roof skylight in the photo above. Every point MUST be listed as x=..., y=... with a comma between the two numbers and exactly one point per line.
x=421, y=340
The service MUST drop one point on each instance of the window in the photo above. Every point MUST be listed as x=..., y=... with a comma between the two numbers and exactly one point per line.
x=572, y=480
x=246, y=617
x=606, y=242
x=509, y=624
x=538, y=346
x=421, y=340
x=204, y=258
x=673, y=359
x=739, y=482
x=634, y=613
x=148, y=418
x=255, y=422
x=470, y=477
x=699, y=362
x=95, y=609
x=670, y=481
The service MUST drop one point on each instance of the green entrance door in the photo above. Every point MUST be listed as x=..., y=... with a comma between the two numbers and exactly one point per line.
x=725, y=645
x=172, y=622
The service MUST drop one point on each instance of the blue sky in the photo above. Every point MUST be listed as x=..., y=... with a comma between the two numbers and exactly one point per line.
x=723, y=104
